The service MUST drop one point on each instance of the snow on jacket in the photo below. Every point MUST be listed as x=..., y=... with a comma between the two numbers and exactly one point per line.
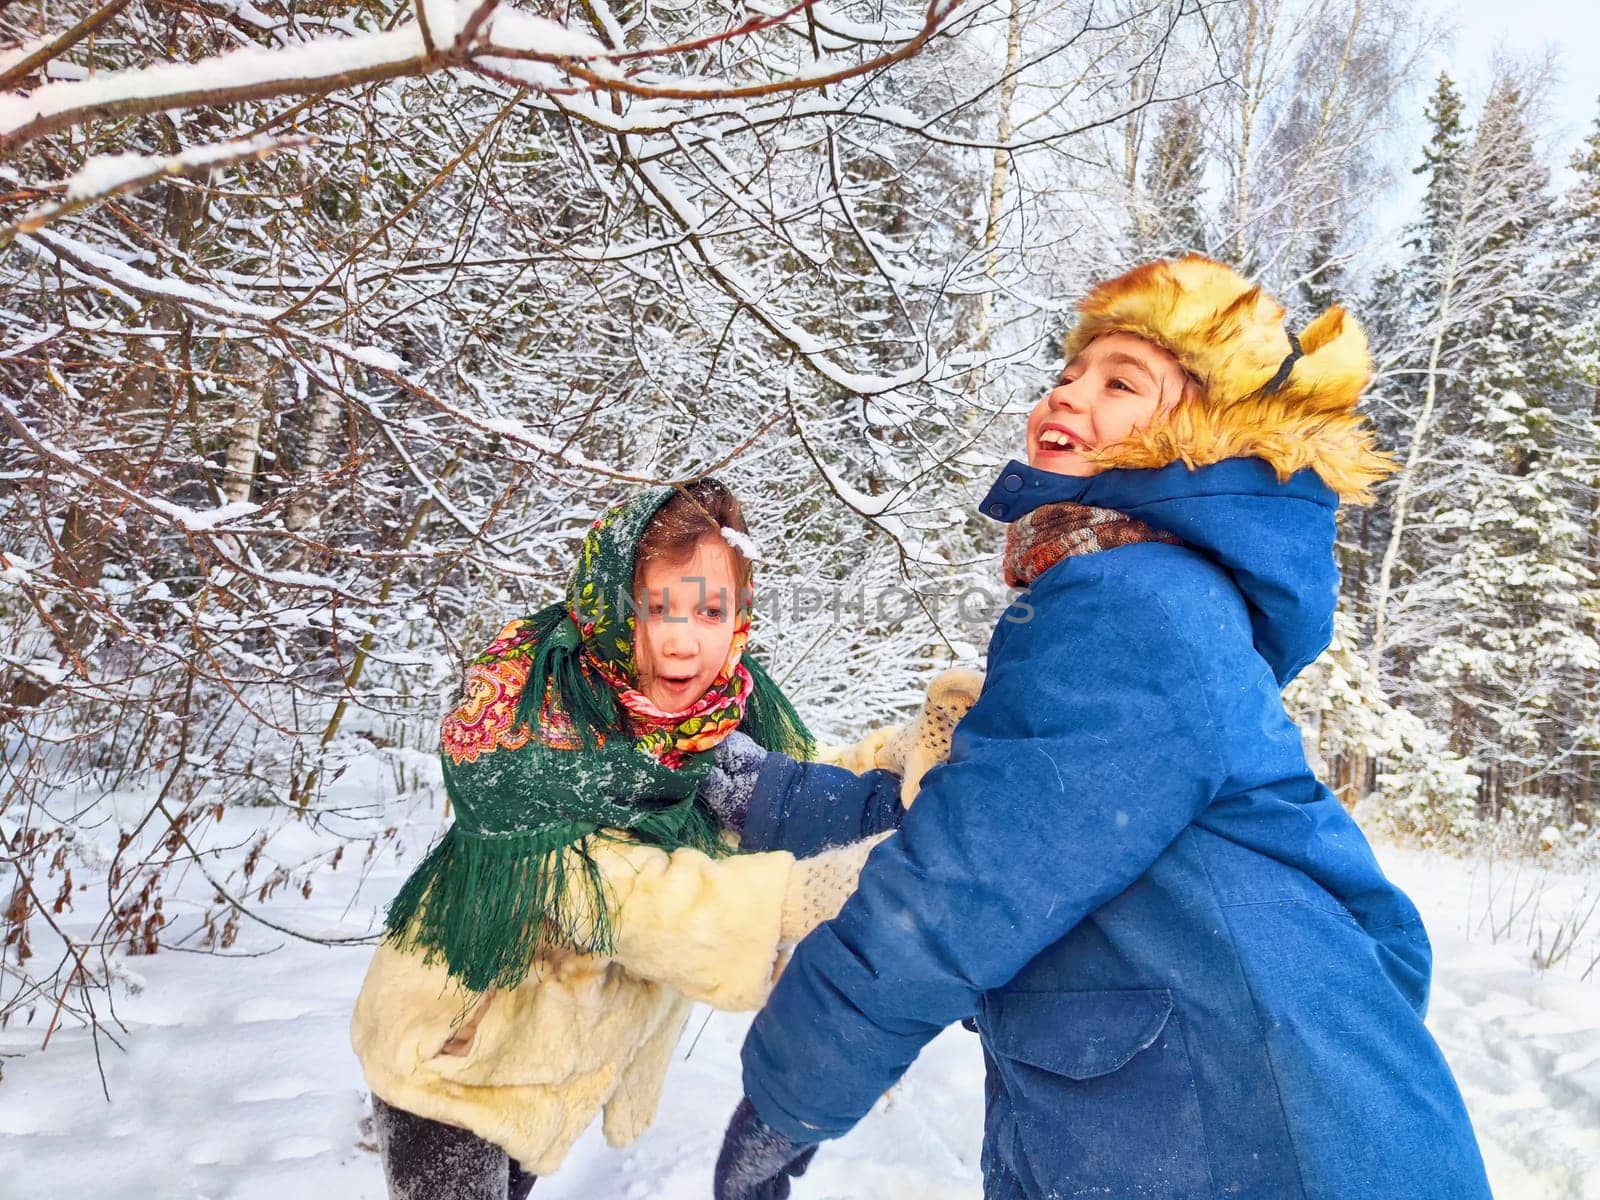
x=1190, y=976
x=530, y=1068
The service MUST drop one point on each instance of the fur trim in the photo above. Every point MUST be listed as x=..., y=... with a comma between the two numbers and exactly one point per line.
x=1230, y=336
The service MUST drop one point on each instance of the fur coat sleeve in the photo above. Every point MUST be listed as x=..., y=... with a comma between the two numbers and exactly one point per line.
x=530, y=1068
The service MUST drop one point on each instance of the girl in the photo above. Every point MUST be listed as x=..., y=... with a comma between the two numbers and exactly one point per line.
x=540, y=963
x=1190, y=976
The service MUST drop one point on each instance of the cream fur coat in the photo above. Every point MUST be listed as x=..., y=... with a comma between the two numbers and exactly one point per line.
x=529, y=1068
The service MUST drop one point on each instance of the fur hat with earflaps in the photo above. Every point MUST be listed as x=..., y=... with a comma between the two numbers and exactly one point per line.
x=1264, y=392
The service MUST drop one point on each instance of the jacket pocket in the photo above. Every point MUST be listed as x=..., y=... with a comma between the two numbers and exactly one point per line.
x=463, y=1038
x=1098, y=1093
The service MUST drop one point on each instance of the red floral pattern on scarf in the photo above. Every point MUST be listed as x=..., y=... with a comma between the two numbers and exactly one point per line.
x=485, y=720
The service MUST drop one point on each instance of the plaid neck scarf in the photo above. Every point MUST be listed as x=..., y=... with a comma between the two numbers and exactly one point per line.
x=1040, y=539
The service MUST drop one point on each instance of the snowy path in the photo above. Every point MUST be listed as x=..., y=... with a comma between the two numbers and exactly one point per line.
x=238, y=1083
x=1525, y=1047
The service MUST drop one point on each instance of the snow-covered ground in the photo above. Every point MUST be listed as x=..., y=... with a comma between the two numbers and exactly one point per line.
x=235, y=1079
x=1524, y=1045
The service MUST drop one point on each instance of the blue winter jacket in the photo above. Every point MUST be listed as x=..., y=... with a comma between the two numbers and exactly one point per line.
x=1190, y=976
x=805, y=807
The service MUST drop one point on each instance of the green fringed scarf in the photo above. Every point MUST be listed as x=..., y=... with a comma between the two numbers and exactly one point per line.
x=552, y=746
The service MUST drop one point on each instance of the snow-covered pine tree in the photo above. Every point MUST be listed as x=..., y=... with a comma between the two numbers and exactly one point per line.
x=1167, y=217
x=1520, y=563
x=1401, y=308
x=1577, y=305
x=1478, y=608
x=1460, y=267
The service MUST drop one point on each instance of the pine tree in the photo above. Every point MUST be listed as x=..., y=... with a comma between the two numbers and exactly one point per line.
x=1323, y=284
x=1416, y=306
x=1578, y=305
x=1443, y=164
x=1508, y=645
x=1169, y=222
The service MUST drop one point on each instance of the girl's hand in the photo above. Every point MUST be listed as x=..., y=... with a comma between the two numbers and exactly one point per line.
x=726, y=790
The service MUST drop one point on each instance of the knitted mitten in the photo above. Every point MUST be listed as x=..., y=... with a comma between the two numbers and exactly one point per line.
x=757, y=1161
x=925, y=742
x=912, y=749
x=819, y=886
x=728, y=786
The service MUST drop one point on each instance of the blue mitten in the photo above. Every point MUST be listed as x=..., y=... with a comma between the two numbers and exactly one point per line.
x=727, y=788
x=757, y=1162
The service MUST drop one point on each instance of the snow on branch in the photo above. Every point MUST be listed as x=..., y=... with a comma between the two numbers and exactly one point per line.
x=113, y=174
x=18, y=65
x=484, y=37
x=225, y=309
x=313, y=67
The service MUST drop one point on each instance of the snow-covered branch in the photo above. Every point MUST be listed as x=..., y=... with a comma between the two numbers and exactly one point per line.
x=119, y=174
x=484, y=36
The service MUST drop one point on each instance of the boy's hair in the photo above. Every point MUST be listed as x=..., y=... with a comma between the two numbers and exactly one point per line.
x=697, y=511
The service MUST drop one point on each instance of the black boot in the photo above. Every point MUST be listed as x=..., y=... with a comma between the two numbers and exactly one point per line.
x=429, y=1160
x=521, y=1182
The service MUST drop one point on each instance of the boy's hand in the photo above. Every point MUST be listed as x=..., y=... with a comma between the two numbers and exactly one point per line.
x=757, y=1162
x=737, y=760
x=912, y=749
x=819, y=886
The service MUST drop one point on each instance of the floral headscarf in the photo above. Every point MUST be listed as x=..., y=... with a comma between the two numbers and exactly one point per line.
x=551, y=744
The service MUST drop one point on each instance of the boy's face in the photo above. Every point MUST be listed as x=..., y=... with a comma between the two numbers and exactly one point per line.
x=1115, y=385
x=686, y=624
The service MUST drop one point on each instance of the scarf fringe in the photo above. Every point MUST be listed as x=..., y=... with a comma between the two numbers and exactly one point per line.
x=488, y=906
x=771, y=720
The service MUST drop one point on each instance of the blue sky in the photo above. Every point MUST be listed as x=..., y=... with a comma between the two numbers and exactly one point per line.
x=1569, y=28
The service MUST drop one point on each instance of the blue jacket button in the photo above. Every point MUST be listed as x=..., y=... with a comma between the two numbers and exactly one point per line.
x=997, y=509
x=1012, y=482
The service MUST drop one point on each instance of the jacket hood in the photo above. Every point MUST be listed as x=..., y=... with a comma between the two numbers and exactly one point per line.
x=1274, y=538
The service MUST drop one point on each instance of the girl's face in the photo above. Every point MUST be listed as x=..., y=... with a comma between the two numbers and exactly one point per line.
x=686, y=623
x=1115, y=385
